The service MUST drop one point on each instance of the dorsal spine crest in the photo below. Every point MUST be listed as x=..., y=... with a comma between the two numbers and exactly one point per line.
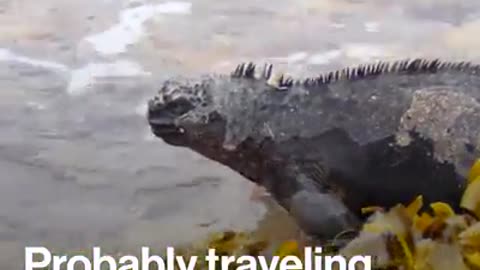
x=408, y=66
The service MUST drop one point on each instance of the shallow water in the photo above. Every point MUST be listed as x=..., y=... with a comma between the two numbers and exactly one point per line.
x=79, y=164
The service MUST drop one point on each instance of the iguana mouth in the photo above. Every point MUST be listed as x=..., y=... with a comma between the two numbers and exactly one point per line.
x=164, y=129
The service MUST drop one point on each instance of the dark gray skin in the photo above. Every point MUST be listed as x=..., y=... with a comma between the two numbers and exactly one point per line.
x=325, y=147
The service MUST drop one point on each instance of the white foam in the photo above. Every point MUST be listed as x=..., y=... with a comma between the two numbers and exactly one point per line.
x=8, y=56
x=296, y=57
x=82, y=79
x=325, y=57
x=372, y=26
x=291, y=58
x=174, y=7
x=364, y=51
x=130, y=28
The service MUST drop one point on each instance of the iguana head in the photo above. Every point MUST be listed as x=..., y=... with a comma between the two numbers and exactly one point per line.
x=181, y=109
x=215, y=111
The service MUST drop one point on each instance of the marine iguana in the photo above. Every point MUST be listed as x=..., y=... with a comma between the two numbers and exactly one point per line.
x=324, y=147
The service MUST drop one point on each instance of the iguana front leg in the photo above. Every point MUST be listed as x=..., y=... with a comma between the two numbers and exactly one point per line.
x=322, y=215
x=318, y=210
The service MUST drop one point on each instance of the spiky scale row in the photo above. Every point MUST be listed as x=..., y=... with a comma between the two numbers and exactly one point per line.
x=415, y=66
x=248, y=70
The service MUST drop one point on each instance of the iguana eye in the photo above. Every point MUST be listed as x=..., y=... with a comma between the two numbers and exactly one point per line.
x=179, y=106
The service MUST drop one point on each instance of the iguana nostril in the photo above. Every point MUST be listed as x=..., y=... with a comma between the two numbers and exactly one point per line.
x=155, y=104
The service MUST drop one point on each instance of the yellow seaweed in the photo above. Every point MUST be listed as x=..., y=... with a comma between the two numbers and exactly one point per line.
x=439, y=256
x=288, y=248
x=414, y=207
x=442, y=210
x=371, y=209
x=422, y=222
x=474, y=172
x=407, y=252
x=471, y=198
x=471, y=237
x=473, y=259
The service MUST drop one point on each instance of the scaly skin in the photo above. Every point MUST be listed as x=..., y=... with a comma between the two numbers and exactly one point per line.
x=325, y=147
